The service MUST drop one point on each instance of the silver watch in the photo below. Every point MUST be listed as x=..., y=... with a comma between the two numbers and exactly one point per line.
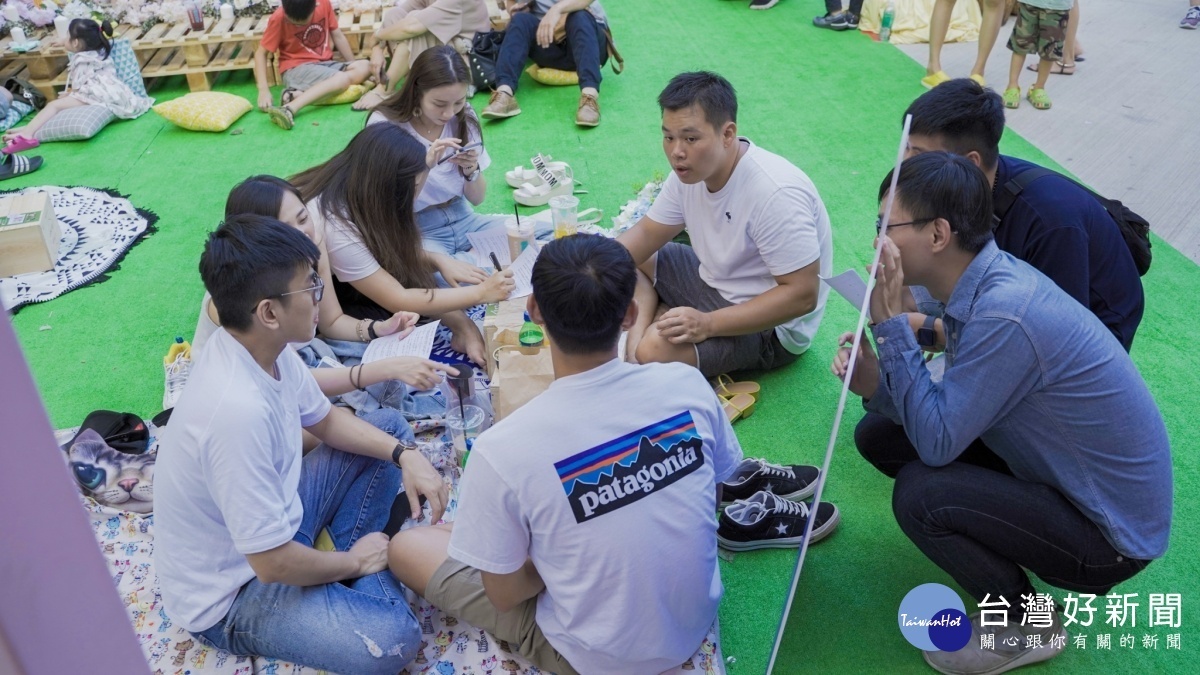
x=473, y=176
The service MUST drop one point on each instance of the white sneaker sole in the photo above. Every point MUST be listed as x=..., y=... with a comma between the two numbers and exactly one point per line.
x=818, y=534
x=1028, y=657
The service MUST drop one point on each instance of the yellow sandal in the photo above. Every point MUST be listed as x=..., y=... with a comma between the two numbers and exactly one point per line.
x=725, y=386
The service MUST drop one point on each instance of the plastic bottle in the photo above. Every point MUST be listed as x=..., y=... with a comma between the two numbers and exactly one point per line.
x=889, y=17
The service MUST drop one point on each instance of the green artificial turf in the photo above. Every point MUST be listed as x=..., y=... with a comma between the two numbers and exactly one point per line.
x=830, y=102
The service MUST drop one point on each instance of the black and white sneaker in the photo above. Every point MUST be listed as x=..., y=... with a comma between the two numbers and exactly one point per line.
x=766, y=521
x=839, y=21
x=796, y=481
x=763, y=4
x=851, y=21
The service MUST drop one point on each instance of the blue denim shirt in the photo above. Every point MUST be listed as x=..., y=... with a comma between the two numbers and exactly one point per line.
x=1047, y=387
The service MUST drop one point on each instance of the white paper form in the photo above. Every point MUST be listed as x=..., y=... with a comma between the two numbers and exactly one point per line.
x=850, y=286
x=522, y=269
x=418, y=343
x=495, y=241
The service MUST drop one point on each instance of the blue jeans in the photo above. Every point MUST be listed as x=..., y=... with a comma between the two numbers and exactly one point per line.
x=444, y=228
x=365, y=627
x=584, y=50
x=985, y=527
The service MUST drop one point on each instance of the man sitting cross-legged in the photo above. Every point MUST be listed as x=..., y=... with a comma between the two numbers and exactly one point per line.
x=238, y=507
x=746, y=293
x=585, y=534
x=1041, y=449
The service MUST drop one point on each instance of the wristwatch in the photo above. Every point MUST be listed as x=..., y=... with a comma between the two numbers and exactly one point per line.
x=399, y=450
x=471, y=177
x=926, y=335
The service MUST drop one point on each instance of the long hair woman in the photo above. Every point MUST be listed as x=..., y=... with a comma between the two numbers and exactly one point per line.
x=432, y=107
x=363, y=199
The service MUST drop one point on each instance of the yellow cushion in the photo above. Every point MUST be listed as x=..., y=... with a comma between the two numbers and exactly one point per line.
x=349, y=95
x=553, y=77
x=204, y=110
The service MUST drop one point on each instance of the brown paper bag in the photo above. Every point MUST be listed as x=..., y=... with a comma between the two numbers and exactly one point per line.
x=518, y=378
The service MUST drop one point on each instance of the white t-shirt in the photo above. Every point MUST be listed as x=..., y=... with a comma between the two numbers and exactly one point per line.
x=445, y=181
x=349, y=257
x=630, y=562
x=205, y=327
x=227, y=475
x=767, y=221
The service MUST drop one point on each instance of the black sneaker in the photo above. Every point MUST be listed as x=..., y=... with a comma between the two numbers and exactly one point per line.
x=834, y=21
x=796, y=481
x=851, y=20
x=766, y=521
x=763, y=4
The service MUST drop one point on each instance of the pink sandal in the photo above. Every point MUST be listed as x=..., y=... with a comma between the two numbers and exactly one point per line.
x=20, y=144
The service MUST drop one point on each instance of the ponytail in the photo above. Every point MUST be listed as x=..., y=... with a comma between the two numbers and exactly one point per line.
x=95, y=37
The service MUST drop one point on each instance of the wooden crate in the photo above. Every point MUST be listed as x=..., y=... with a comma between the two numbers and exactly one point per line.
x=29, y=234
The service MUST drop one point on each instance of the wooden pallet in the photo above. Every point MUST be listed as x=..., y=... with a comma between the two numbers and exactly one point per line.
x=165, y=50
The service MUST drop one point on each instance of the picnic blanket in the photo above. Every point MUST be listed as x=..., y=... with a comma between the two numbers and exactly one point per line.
x=98, y=227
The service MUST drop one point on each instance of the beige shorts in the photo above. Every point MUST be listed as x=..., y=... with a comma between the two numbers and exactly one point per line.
x=457, y=589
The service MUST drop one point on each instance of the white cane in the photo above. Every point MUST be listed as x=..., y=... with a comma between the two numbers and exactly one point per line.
x=837, y=420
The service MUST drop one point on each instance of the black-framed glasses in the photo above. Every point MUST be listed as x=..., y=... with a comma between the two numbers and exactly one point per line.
x=919, y=221
x=317, y=290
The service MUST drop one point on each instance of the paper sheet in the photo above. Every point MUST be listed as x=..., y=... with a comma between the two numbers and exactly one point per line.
x=850, y=286
x=495, y=241
x=522, y=269
x=418, y=343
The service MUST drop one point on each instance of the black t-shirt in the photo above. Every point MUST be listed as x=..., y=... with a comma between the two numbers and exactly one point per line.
x=1066, y=234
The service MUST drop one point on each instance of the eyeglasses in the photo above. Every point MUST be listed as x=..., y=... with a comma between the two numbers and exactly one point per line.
x=317, y=290
x=879, y=223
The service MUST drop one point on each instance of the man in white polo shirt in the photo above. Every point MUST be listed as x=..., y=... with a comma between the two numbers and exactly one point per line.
x=746, y=294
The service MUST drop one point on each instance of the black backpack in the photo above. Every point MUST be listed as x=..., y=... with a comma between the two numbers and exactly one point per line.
x=1134, y=228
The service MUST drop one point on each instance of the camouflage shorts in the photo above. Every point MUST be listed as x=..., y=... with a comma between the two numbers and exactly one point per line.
x=1038, y=31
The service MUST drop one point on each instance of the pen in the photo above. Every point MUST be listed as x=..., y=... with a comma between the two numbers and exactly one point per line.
x=495, y=260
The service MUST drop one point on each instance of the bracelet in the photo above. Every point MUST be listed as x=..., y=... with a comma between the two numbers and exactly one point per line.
x=371, y=330
x=358, y=328
x=357, y=380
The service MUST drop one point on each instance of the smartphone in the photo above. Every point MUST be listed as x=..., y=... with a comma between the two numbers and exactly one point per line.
x=465, y=148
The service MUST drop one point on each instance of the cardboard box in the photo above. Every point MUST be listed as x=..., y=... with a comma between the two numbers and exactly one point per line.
x=29, y=234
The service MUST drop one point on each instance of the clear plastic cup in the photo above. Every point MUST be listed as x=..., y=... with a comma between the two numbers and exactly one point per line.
x=564, y=211
x=465, y=425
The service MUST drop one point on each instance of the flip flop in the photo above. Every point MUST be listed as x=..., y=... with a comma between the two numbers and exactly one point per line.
x=19, y=165
x=1012, y=98
x=725, y=386
x=20, y=144
x=731, y=411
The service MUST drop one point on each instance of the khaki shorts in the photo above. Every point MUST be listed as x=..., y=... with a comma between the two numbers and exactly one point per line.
x=457, y=589
x=1038, y=31
x=306, y=75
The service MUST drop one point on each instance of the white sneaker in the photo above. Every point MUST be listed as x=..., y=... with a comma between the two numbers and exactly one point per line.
x=1012, y=647
x=178, y=365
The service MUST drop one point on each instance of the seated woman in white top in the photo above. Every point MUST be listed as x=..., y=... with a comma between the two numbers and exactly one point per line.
x=432, y=106
x=363, y=196
x=276, y=198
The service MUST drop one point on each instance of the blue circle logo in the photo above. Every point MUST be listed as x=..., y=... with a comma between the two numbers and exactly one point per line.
x=932, y=617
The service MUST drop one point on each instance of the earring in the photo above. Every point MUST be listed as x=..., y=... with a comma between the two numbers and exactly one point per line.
x=417, y=112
